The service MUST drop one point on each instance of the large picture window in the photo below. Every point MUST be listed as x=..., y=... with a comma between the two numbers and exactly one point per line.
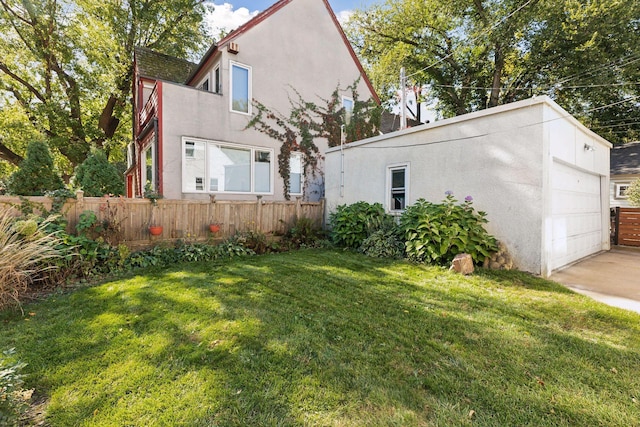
x=240, y=88
x=214, y=167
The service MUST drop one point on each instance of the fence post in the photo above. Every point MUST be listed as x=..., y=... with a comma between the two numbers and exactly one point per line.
x=259, y=214
x=298, y=208
x=616, y=226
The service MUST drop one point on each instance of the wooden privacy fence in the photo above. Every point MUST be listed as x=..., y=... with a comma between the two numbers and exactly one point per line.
x=626, y=227
x=182, y=219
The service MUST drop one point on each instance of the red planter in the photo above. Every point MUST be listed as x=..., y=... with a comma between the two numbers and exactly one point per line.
x=214, y=228
x=155, y=230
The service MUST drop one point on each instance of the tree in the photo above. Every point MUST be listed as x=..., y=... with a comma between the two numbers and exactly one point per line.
x=309, y=121
x=633, y=193
x=67, y=65
x=469, y=55
x=97, y=177
x=36, y=174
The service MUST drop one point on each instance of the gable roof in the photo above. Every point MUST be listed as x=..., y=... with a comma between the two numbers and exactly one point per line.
x=625, y=159
x=159, y=66
x=263, y=16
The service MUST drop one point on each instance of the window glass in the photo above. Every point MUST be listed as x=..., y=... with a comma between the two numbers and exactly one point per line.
x=347, y=104
x=149, y=170
x=205, y=85
x=239, y=88
x=295, y=173
x=194, y=166
x=216, y=75
x=262, y=174
x=398, y=189
x=229, y=169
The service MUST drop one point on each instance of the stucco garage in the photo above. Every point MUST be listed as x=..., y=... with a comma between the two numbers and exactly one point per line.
x=541, y=176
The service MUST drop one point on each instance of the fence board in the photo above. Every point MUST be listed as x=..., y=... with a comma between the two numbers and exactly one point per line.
x=627, y=226
x=181, y=219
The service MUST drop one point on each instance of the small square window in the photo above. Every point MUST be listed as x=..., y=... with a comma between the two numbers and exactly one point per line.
x=621, y=190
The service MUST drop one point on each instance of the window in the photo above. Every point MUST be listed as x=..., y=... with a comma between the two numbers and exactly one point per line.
x=216, y=79
x=621, y=189
x=347, y=104
x=149, y=170
x=398, y=187
x=296, y=174
x=204, y=85
x=210, y=166
x=240, y=88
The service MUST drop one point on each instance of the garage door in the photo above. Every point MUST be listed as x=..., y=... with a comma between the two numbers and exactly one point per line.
x=576, y=214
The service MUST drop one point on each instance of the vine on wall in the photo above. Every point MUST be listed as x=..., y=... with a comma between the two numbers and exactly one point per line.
x=308, y=121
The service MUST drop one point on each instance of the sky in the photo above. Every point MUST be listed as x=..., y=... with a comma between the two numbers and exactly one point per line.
x=233, y=13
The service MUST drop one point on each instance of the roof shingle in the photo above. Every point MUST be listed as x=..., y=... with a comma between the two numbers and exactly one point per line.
x=159, y=66
x=625, y=159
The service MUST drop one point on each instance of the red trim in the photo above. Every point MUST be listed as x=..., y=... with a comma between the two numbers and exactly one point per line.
x=352, y=52
x=159, y=139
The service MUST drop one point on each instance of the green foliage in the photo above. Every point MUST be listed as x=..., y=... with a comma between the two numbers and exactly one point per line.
x=36, y=174
x=466, y=56
x=13, y=398
x=97, y=177
x=308, y=121
x=351, y=224
x=437, y=232
x=385, y=242
x=633, y=193
x=304, y=233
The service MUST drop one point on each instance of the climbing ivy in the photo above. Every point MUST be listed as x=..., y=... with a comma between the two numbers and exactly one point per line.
x=308, y=121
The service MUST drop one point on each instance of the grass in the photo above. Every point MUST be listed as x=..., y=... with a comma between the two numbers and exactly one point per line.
x=328, y=338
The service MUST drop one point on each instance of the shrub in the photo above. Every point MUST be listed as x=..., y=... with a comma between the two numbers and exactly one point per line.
x=386, y=242
x=97, y=177
x=352, y=224
x=303, y=234
x=633, y=193
x=13, y=399
x=438, y=232
x=24, y=246
x=36, y=174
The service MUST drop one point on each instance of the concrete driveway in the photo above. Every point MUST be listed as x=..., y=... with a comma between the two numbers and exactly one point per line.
x=611, y=277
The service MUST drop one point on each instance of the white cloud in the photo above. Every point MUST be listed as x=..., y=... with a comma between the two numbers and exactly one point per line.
x=224, y=18
x=343, y=16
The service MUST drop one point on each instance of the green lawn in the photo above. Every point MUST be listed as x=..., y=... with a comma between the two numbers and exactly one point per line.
x=328, y=338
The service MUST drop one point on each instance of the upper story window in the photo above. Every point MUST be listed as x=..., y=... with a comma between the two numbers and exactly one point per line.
x=347, y=104
x=204, y=85
x=217, y=88
x=240, y=88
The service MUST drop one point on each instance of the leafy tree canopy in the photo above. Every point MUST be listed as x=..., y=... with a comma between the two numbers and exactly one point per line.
x=66, y=66
x=469, y=55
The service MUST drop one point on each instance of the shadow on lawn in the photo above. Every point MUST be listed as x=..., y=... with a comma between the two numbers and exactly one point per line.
x=325, y=338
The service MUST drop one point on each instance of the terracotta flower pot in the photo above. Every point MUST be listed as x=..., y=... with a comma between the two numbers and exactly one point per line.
x=214, y=228
x=155, y=230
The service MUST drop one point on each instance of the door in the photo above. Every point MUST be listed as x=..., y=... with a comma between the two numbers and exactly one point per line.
x=576, y=212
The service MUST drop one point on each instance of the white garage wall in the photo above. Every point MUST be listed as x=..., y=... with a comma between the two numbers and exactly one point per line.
x=500, y=156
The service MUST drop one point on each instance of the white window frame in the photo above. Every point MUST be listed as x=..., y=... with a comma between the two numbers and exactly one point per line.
x=249, y=88
x=389, y=189
x=620, y=188
x=302, y=177
x=210, y=143
x=143, y=172
x=207, y=80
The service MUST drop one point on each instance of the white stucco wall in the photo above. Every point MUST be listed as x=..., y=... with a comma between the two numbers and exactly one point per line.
x=298, y=48
x=500, y=156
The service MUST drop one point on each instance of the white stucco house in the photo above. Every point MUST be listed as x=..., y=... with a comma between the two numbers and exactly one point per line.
x=625, y=168
x=541, y=176
x=190, y=136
